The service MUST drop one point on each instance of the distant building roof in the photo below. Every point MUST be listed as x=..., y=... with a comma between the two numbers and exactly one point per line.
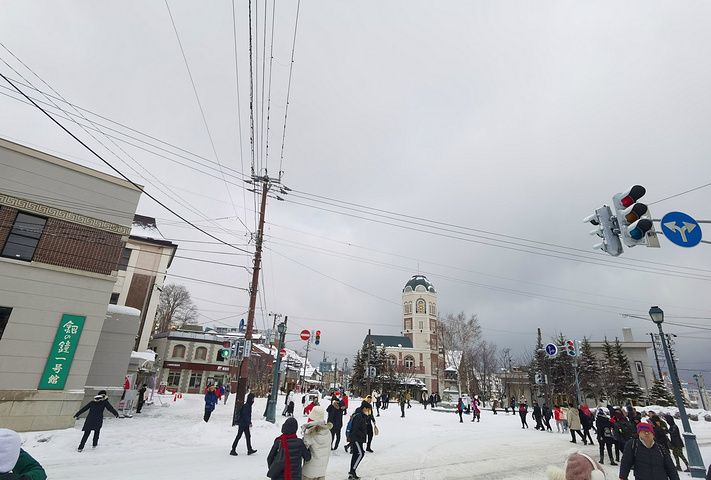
x=419, y=280
x=390, y=341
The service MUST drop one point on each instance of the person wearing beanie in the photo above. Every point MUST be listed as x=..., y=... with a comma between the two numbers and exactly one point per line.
x=95, y=418
x=295, y=449
x=244, y=423
x=677, y=444
x=578, y=466
x=210, y=402
x=15, y=463
x=317, y=438
x=650, y=460
x=359, y=431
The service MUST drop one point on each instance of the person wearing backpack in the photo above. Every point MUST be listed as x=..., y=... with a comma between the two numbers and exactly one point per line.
x=295, y=451
x=650, y=460
x=357, y=430
x=677, y=444
x=605, y=436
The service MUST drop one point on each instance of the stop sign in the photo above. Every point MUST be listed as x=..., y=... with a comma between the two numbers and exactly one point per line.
x=305, y=335
x=282, y=353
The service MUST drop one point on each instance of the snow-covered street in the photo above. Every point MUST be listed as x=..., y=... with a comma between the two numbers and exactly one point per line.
x=174, y=442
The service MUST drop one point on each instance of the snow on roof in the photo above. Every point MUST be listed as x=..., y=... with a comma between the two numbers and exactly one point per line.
x=148, y=355
x=123, y=310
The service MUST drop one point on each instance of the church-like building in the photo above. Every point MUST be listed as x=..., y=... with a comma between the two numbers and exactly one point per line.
x=416, y=353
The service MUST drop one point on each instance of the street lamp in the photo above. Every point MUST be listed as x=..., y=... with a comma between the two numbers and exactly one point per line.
x=696, y=463
x=271, y=404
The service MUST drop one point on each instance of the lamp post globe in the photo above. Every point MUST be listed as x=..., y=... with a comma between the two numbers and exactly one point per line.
x=657, y=315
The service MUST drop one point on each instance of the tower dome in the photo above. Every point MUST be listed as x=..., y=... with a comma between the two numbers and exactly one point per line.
x=419, y=281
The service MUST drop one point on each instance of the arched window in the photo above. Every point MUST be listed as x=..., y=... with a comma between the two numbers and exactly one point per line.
x=421, y=306
x=179, y=351
x=201, y=353
x=392, y=360
x=409, y=363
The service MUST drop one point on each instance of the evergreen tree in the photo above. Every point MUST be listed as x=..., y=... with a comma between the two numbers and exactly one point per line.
x=660, y=395
x=590, y=372
x=609, y=380
x=629, y=389
x=561, y=377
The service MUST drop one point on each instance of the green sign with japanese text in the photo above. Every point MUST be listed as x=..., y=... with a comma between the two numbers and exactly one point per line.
x=60, y=357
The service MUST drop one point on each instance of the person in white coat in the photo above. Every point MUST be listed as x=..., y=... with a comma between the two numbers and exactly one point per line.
x=317, y=438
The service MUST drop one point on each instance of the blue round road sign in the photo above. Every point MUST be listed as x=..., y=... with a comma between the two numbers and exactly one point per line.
x=681, y=229
x=551, y=349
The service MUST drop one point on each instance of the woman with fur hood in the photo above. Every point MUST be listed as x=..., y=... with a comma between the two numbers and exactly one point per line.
x=578, y=466
x=317, y=438
x=95, y=418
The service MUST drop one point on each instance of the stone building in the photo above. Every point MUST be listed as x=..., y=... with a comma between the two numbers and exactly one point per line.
x=416, y=354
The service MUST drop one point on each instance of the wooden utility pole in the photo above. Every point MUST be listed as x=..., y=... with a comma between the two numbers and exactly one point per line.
x=244, y=369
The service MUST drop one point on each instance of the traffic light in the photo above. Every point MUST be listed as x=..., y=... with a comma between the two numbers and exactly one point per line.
x=605, y=229
x=539, y=379
x=571, y=348
x=633, y=218
x=225, y=353
x=317, y=340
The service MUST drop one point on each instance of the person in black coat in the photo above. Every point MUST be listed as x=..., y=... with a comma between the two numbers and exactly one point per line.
x=359, y=432
x=141, y=397
x=537, y=416
x=650, y=460
x=244, y=424
x=295, y=448
x=523, y=411
x=95, y=418
x=676, y=443
x=605, y=435
x=335, y=417
x=547, y=415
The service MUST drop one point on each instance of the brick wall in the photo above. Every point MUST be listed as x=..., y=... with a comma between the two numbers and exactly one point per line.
x=76, y=246
x=7, y=218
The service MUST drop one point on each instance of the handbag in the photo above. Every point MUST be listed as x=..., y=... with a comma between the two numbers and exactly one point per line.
x=276, y=468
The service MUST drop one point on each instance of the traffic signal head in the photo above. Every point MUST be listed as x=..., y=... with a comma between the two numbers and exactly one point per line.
x=633, y=218
x=318, y=337
x=225, y=353
x=606, y=230
x=571, y=348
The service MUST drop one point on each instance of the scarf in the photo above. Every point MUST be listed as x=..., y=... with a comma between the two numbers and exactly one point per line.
x=287, y=459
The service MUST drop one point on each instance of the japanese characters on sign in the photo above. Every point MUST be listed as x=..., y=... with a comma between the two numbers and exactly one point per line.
x=60, y=357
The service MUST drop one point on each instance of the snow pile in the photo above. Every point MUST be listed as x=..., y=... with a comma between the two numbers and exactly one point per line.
x=175, y=443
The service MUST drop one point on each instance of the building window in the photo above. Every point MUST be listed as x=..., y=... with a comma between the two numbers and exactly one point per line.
x=24, y=237
x=392, y=360
x=173, y=379
x=408, y=324
x=125, y=257
x=201, y=353
x=179, y=351
x=195, y=380
x=422, y=325
x=433, y=309
x=638, y=366
x=4, y=318
x=420, y=306
x=114, y=298
x=409, y=363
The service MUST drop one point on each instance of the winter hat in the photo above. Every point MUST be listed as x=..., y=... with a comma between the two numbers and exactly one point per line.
x=102, y=392
x=644, y=426
x=365, y=405
x=317, y=414
x=578, y=466
x=290, y=426
x=9, y=449
x=669, y=419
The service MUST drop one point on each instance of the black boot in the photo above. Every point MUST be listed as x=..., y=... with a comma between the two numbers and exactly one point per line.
x=602, y=460
x=233, y=453
x=612, y=462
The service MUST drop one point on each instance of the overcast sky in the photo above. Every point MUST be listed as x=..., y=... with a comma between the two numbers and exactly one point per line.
x=464, y=141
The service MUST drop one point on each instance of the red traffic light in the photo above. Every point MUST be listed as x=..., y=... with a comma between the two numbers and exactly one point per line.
x=632, y=195
x=318, y=332
x=226, y=344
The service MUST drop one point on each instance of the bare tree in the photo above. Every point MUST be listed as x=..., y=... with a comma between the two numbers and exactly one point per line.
x=175, y=309
x=460, y=336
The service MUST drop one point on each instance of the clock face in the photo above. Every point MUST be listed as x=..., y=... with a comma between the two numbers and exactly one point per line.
x=420, y=306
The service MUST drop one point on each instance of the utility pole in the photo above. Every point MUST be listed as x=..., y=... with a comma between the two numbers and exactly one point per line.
x=244, y=368
x=656, y=357
x=271, y=403
x=303, y=378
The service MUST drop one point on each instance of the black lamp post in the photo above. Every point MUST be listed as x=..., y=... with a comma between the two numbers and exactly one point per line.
x=696, y=463
x=271, y=405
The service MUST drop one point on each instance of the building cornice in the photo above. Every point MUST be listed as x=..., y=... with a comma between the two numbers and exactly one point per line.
x=52, y=212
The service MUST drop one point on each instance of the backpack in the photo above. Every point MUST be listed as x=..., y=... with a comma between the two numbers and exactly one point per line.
x=349, y=427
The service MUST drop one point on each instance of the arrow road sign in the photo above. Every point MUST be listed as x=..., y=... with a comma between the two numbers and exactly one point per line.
x=681, y=229
x=551, y=350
